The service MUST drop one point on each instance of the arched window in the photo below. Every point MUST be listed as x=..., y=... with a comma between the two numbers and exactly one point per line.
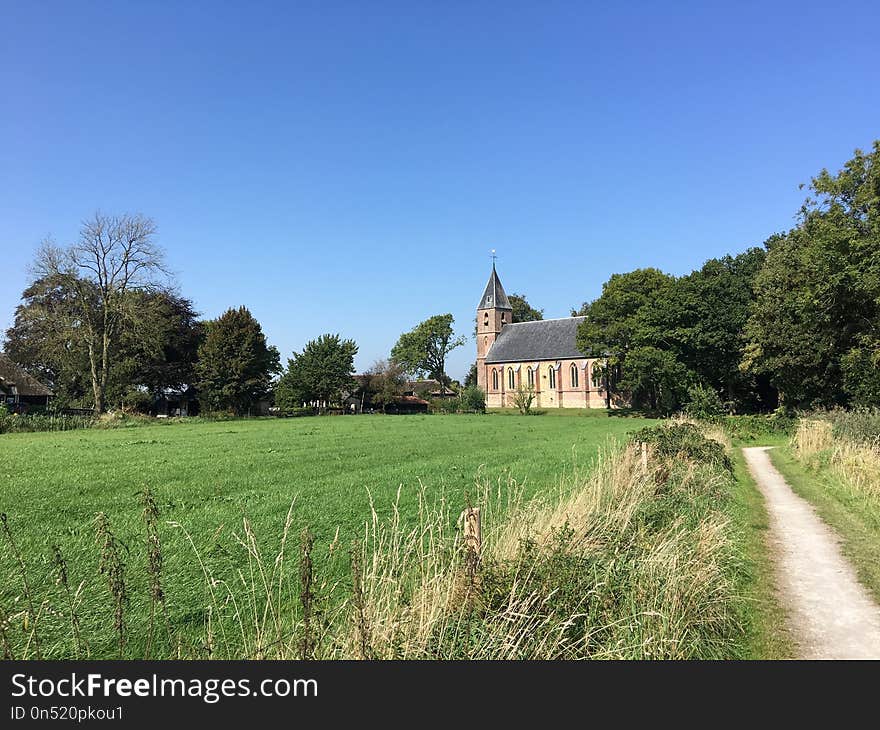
x=511, y=382
x=531, y=377
x=574, y=375
x=494, y=379
x=597, y=376
x=552, y=377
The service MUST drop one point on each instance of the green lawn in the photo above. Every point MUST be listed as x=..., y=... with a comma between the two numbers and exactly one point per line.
x=764, y=617
x=208, y=476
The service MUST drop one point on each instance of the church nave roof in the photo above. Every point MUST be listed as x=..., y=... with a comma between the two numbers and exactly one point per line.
x=545, y=339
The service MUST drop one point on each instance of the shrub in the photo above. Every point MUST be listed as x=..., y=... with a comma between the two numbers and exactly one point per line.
x=473, y=400
x=861, y=425
x=677, y=440
x=703, y=402
x=758, y=427
x=445, y=405
x=27, y=423
x=137, y=401
x=298, y=412
x=523, y=399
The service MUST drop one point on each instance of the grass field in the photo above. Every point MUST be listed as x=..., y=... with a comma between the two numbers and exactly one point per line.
x=208, y=477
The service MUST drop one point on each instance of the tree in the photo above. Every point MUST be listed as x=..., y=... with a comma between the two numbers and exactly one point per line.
x=655, y=378
x=235, y=365
x=156, y=347
x=471, y=378
x=473, y=399
x=615, y=323
x=697, y=319
x=159, y=347
x=424, y=348
x=614, y=320
x=113, y=256
x=320, y=373
x=703, y=402
x=43, y=339
x=522, y=310
x=382, y=385
x=814, y=328
x=700, y=317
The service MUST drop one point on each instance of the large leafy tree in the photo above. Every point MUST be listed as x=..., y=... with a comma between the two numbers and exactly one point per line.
x=162, y=347
x=156, y=347
x=113, y=256
x=44, y=341
x=615, y=321
x=423, y=350
x=655, y=378
x=662, y=332
x=382, y=384
x=522, y=310
x=815, y=325
x=615, y=324
x=235, y=364
x=321, y=373
x=700, y=318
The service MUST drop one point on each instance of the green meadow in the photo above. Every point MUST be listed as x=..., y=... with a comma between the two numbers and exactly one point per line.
x=209, y=477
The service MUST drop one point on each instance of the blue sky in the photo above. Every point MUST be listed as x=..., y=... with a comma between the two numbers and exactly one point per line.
x=346, y=167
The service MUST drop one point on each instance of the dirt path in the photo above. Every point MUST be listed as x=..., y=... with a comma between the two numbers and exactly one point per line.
x=832, y=616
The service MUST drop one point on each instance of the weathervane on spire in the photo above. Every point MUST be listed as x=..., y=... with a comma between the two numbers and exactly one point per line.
x=493, y=257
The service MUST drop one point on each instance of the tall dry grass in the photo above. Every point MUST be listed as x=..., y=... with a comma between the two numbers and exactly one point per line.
x=616, y=563
x=855, y=462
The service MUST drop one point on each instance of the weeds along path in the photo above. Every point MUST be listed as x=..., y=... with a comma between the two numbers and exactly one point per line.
x=832, y=615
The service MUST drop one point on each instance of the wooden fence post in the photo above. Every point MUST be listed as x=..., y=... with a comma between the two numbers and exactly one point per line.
x=644, y=446
x=473, y=529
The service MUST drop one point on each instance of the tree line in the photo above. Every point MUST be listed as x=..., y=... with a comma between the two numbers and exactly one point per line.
x=103, y=324
x=795, y=322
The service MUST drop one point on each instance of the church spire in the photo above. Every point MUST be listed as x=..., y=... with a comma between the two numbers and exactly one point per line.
x=493, y=295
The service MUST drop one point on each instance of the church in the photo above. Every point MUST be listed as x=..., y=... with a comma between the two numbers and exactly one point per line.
x=539, y=356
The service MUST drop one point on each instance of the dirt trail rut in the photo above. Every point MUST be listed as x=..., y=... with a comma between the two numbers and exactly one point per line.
x=832, y=616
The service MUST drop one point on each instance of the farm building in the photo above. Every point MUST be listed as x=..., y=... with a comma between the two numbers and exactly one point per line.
x=176, y=402
x=17, y=388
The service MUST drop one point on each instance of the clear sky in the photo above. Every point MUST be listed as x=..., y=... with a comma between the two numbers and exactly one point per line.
x=346, y=166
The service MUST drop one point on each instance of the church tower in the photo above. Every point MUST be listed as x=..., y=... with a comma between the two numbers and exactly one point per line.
x=493, y=313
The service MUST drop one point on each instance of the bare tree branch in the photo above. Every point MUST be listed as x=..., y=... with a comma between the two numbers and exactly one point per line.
x=114, y=255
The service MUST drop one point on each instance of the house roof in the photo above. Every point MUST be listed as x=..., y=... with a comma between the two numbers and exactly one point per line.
x=493, y=295
x=545, y=339
x=413, y=399
x=12, y=374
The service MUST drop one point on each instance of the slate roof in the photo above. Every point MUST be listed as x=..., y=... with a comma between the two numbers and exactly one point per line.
x=546, y=339
x=493, y=295
x=11, y=374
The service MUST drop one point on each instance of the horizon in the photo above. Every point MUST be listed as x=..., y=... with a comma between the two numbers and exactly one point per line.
x=344, y=170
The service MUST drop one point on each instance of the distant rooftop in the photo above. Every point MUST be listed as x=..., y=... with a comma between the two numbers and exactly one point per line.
x=12, y=375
